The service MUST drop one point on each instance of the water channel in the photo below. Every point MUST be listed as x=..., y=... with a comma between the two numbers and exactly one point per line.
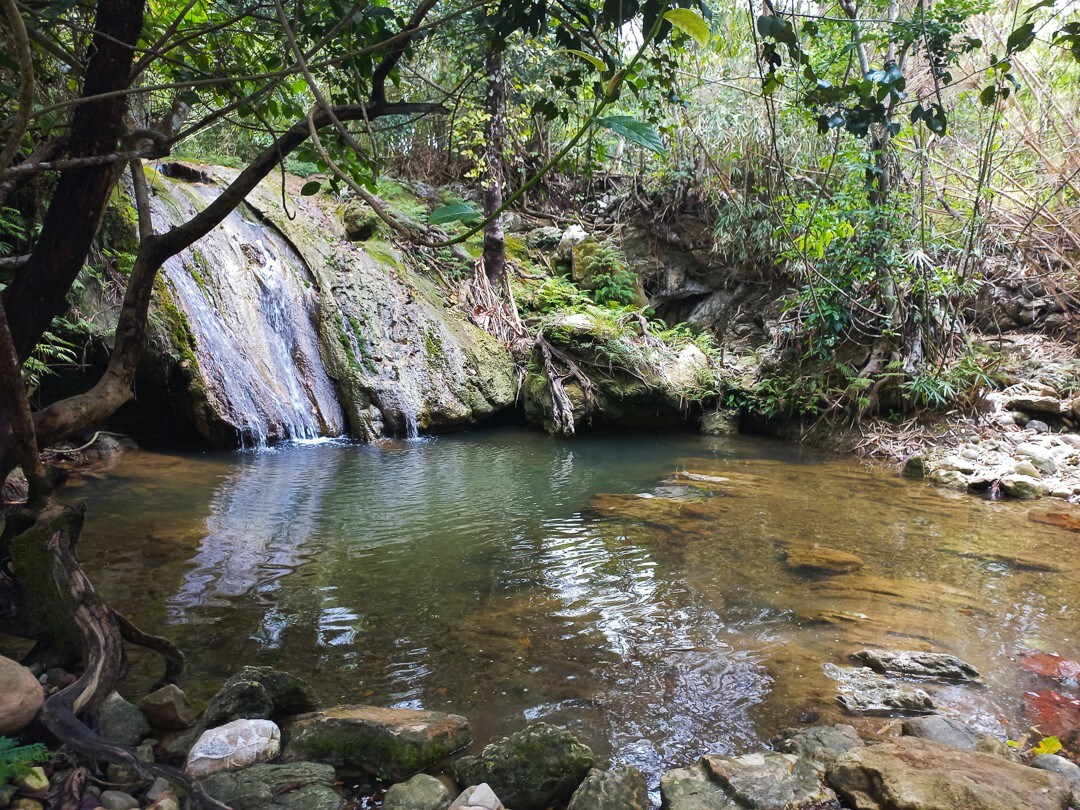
x=633, y=588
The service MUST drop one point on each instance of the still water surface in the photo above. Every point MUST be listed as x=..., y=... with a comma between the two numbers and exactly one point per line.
x=632, y=588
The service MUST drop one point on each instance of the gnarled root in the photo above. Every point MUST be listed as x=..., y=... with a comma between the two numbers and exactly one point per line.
x=562, y=409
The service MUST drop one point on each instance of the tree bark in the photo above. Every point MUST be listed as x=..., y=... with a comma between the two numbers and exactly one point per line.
x=38, y=292
x=495, y=131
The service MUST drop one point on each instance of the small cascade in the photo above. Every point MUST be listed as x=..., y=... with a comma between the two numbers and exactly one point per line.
x=242, y=304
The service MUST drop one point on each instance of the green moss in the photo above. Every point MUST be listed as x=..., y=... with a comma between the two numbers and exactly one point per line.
x=402, y=199
x=175, y=323
x=383, y=253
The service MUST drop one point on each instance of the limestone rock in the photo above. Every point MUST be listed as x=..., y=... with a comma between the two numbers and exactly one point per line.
x=915, y=774
x=21, y=696
x=168, y=708
x=821, y=559
x=920, y=664
x=260, y=693
x=1023, y=487
x=693, y=789
x=531, y=769
x=720, y=423
x=478, y=797
x=818, y=745
x=120, y=721
x=770, y=781
x=297, y=785
x=862, y=691
x=388, y=743
x=621, y=788
x=422, y=792
x=940, y=729
x=233, y=746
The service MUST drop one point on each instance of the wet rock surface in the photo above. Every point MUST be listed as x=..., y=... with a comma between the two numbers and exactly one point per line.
x=387, y=743
x=120, y=721
x=863, y=691
x=940, y=666
x=531, y=769
x=297, y=785
x=233, y=746
x=422, y=792
x=944, y=730
x=256, y=693
x=818, y=745
x=168, y=708
x=817, y=559
x=621, y=788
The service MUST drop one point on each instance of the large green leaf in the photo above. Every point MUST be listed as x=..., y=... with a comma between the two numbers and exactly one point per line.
x=690, y=22
x=454, y=212
x=635, y=131
x=596, y=62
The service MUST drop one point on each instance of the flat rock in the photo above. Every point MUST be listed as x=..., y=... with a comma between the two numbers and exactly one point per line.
x=387, y=743
x=531, y=769
x=693, y=789
x=1033, y=403
x=168, y=708
x=818, y=745
x=821, y=559
x=916, y=774
x=940, y=729
x=21, y=696
x=622, y=788
x=478, y=797
x=118, y=800
x=233, y=746
x=422, y=792
x=296, y=785
x=770, y=781
x=1023, y=487
x=863, y=691
x=260, y=693
x=939, y=666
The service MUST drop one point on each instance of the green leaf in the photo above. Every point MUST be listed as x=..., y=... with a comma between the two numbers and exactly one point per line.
x=690, y=22
x=311, y=187
x=635, y=131
x=596, y=62
x=1047, y=745
x=1021, y=38
x=454, y=212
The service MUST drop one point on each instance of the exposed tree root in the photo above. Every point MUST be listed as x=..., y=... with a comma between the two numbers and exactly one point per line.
x=102, y=632
x=562, y=409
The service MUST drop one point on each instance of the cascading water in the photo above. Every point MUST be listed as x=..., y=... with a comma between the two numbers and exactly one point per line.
x=248, y=308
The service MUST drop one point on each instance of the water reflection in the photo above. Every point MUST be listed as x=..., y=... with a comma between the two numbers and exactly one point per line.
x=634, y=589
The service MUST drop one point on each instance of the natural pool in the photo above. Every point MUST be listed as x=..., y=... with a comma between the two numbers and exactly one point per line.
x=511, y=577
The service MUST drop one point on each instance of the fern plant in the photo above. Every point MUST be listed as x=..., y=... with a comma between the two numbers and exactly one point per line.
x=18, y=760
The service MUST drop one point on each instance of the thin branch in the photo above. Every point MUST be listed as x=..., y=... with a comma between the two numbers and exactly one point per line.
x=26, y=83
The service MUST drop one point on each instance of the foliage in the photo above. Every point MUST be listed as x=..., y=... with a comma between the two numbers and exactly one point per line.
x=18, y=760
x=610, y=280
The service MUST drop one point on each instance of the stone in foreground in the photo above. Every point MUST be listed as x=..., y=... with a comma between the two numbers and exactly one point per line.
x=260, y=693
x=692, y=789
x=940, y=666
x=478, y=797
x=235, y=745
x=422, y=792
x=915, y=774
x=618, y=789
x=121, y=721
x=21, y=696
x=863, y=691
x=761, y=781
x=297, y=785
x=531, y=769
x=387, y=743
x=818, y=745
x=944, y=730
x=168, y=708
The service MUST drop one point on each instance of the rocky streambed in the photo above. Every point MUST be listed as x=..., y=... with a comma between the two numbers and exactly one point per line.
x=264, y=742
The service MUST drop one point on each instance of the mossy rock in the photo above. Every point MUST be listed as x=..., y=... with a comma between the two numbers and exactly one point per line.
x=260, y=693
x=300, y=785
x=361, y=222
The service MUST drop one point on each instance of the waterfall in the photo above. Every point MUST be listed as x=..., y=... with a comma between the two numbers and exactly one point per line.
x=245, y=305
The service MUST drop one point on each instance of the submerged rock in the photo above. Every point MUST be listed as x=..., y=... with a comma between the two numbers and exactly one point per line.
x=944, y=730
x=915, y=774
x=818, y=745
x=422, y=792
x=260, y=693
x=762, y=781
x=297, y=785
x=863, y=691
x=621, y=788
x=387, y=743
x=21, y=696
x=531, y=769
x=121, y=721
x=233, y=746
x=920, y=664
x=821, y=559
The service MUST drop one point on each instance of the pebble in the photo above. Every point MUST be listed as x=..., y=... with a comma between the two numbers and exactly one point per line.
x=1037, y=425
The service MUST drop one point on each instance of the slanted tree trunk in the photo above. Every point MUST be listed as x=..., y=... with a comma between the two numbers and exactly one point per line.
x=495, y=132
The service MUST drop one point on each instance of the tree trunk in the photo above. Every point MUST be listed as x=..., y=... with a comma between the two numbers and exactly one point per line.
x=495, y=131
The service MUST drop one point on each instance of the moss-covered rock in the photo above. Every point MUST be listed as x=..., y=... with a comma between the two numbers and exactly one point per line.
x=260, y=693
x=297, y=785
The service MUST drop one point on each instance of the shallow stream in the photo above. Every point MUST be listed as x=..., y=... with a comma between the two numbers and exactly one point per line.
x=633, y=588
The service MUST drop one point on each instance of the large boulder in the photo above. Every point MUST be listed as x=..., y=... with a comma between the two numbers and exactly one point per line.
x=618, y=789
x=260, y=693
x=531, y=769
x=233, y=746
x=387, y=743
x=21, y=696
x=297, y=785
x=910, y=773
x=478, y=797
